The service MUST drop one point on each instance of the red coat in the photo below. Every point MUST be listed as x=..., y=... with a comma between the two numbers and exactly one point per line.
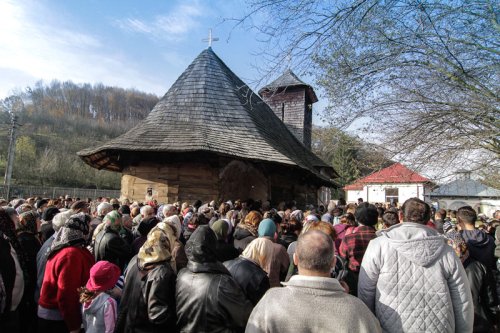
x=65, y=272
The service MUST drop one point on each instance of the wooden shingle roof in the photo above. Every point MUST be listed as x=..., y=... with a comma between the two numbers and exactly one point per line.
x=288, y=80
x=209, y=109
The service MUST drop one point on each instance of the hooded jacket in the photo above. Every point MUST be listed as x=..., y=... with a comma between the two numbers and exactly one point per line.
x=242, y=237
x=99, y=316
x=481, y=246
x=208, y=299
x=414, y=282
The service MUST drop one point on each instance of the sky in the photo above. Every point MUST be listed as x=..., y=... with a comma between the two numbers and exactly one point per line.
x=144, y=45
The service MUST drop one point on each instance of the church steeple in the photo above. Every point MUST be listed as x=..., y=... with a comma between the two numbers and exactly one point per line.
x=291, y=100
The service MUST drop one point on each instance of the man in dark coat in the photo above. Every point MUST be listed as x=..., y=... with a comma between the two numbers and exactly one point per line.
x=481, y=245
x=207, y=297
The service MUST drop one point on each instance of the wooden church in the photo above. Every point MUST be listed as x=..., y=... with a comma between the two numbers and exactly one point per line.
x=211, y=137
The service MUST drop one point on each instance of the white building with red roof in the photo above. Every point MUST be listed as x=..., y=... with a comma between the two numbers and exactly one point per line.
x=394, y=184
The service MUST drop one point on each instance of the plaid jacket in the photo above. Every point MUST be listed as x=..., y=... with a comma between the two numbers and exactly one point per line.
x=354, y=245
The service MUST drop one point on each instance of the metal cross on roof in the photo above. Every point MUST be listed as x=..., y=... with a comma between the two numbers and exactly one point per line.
x=210, y=39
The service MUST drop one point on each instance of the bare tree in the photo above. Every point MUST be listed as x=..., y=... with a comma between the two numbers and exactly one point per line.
x=419, y=77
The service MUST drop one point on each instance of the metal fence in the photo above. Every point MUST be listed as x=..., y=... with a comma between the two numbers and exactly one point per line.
x=22, y=191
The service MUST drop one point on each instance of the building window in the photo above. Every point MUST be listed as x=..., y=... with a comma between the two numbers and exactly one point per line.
x=392, y=195
x=282, y=111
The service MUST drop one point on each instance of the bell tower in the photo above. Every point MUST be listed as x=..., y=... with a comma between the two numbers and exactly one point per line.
x=291, y=100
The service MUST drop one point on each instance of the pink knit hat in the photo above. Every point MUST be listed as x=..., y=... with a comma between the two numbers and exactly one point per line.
x=103, y=276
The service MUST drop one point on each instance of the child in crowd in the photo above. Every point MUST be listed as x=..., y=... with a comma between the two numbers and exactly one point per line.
x=99, y=307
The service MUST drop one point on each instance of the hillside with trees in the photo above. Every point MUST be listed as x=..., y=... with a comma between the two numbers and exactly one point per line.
x=58, y=119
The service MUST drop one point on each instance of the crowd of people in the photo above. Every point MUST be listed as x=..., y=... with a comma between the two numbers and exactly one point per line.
x=109, y=266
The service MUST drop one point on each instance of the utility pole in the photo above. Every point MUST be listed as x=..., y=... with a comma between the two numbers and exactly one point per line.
x=12, y=150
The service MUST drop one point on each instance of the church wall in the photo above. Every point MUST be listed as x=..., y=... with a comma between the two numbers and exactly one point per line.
x=175, y=182
x=230, y=180
x=287, y=188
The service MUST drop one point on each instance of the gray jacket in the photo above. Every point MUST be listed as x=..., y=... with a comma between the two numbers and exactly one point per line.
x=100, y=315
x=414, y=282
x=311, y=304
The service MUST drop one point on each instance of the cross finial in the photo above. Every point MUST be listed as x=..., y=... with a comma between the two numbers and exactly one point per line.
x=210, y=39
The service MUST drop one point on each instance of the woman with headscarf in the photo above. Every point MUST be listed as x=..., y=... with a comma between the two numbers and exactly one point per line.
x=179, y=259
x=193, y=221
x=248, y=269
x=27, y=228
x=12, y=266
x=148, y=298
x=246, y=231
x=68, y=268
x=225, y=251
x=109, y=245
x=279, y=262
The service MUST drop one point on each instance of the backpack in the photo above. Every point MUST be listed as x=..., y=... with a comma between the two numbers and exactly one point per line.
x=340, y=270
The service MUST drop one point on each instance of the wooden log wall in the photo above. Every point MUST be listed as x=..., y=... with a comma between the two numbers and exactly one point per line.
x=175, y=182
x=190, y=181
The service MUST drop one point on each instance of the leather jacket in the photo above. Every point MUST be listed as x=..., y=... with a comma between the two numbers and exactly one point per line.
x=484, y=295
x=208, y=299
x=148, y=300
x=111, y=247
x=250, y=277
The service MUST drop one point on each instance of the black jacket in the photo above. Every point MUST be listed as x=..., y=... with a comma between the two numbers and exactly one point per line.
x=242, y=238
x=111, y=247
x=7, y=271
x=30, y=245
x=208, y=299
x=484, y=295
x=250, y=277
x=481, y=247
x=148, y=301
x=225, y=251
x=287, y=239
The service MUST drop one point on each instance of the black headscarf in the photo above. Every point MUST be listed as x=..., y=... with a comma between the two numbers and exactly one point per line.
x=72, y=233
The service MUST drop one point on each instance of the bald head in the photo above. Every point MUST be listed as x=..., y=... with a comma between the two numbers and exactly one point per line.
x=314, y=252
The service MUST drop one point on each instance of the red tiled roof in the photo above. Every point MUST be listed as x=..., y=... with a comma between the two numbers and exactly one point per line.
x=396, y=173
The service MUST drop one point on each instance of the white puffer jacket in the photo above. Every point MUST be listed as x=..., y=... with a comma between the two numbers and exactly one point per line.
x=414, y=282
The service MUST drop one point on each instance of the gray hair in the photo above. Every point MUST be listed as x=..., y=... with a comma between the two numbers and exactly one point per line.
x=104, y=208
x=60, y=218
x=315, y=251
x=167, y=208
x=147, y=210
